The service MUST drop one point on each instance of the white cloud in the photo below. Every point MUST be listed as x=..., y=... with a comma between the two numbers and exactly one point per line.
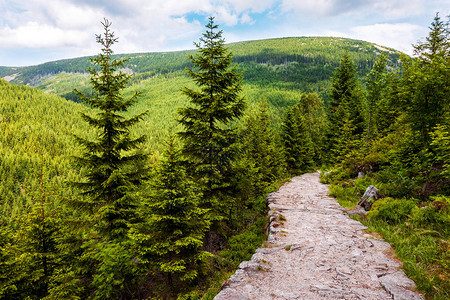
x=159, y=25
x=399, y=8
x=399, y=36
x=35, y=35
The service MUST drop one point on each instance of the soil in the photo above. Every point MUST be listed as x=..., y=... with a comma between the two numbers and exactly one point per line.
x=316, y=251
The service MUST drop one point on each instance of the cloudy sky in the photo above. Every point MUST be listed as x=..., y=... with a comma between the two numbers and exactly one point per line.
x=36, y=31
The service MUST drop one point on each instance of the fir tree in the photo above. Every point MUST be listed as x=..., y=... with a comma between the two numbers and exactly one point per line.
x=169, y=241
x=344, y=114
x=207, y=136
x=298, y=147
x=426, y=85
x=260, y=162
x=113, y=170
x=376, y=82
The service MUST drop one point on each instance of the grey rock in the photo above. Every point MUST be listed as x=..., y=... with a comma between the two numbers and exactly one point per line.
x=399, y=286
x=370, y=196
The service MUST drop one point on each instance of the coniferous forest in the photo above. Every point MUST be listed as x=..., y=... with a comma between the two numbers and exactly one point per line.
x=144, y=176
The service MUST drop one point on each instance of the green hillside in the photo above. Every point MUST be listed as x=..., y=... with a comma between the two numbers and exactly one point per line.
x=304, y=63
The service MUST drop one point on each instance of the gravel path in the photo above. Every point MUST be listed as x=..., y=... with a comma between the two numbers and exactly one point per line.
x=316, y=251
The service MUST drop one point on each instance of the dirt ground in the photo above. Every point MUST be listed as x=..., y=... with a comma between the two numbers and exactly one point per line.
x=316, y=251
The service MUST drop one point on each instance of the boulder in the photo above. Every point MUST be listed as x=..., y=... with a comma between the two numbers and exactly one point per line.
x=369, y=197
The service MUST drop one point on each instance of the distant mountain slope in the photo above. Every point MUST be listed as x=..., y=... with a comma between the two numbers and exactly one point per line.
x=37, y=127
x=36, y=138
x=304, y=63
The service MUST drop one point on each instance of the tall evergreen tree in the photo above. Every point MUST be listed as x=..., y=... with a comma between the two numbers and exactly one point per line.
x=113, y=169
x=344, y=114
x=298, y=147
x=260, y=162
x=425, y=86
x=207, y=136
x=169, y=241
x=376, y=81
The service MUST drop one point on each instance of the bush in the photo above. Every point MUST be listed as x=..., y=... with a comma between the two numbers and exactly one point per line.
x=391, y=210
x=243, y=245
x=338, y=174
x=346, y=196
x=435, y=215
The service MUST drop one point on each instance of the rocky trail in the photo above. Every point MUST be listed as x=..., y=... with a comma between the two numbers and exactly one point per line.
x=316, y=251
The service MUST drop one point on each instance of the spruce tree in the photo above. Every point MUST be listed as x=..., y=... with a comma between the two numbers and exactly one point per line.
x=345, y=118
x=426, y=85
x=298, y=147
x=169, y=241
x=260, y=162
x=376, y=82
x=113, y=165
x=207, y=137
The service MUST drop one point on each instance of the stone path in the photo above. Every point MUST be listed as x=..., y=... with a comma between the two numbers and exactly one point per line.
x=316, y=251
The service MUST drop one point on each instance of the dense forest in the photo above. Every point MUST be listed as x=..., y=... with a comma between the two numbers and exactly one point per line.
x=149, y=181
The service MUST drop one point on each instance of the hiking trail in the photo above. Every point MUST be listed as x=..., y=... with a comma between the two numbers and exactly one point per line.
x=316, y=251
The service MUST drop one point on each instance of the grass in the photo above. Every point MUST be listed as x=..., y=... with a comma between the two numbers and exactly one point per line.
x=419, y=241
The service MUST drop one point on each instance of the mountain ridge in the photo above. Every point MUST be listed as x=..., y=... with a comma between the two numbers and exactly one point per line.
x=272, y=51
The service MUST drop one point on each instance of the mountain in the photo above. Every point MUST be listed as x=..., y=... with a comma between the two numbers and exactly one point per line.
x=297, y=63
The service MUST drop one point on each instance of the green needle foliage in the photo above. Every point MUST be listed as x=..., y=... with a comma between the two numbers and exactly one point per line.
x=376, y=82
x=113, y=167
x=169, y=241
x=298, y=147
x=426, y=83
x=346, y=123
x=216, y=102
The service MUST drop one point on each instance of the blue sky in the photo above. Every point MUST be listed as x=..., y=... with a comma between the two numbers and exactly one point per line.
x=37, y=31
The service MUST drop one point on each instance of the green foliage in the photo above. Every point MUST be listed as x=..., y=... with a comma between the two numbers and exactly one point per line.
x=391, y=210
x=302, y=133
x=259, y=162
x=243, y=245
x=441, y=145
x=207, y=138
x=425, y=83
x=435, y=214
x=424, y=254
x=345, y=110
x=169, y=241
x=376, y=81
x=111, y=170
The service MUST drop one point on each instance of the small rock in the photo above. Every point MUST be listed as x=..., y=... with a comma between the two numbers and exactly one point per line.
x=397, y=284
x=370, y=196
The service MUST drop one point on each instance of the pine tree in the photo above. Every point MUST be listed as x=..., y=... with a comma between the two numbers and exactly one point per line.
x=345, y=118
x=260, y=162
x=298, y=147
x=376, y=82
x=113, y=170
x=169, y=241
x=207, y=136
x=426, y=85
x=31, y=255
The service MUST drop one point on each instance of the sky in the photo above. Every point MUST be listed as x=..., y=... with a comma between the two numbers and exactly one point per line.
x=37, y=31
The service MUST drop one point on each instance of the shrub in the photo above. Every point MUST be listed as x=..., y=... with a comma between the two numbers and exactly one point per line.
x=435, y=214
x=391, y=210
x=338, y=174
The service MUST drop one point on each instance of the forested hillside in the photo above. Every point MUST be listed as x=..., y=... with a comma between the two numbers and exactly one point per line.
x=149, y=179
x=303, y=63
